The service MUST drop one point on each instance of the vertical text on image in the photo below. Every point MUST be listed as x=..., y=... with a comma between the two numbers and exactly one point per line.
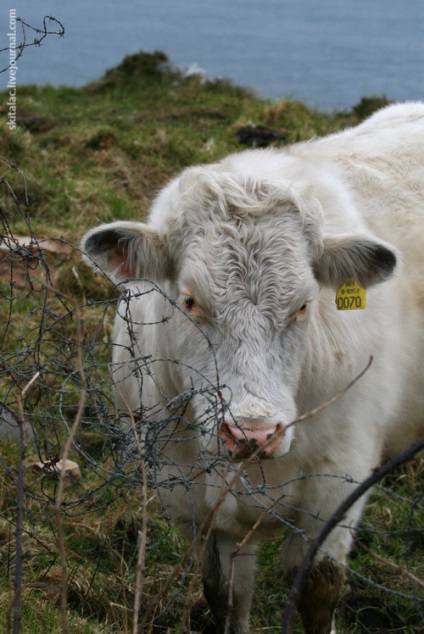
x=13, y=69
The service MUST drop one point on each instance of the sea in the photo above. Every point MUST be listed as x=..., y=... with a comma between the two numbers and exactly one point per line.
x=329, y=53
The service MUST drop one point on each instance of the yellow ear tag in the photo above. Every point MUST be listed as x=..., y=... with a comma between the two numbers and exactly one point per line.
x=351, y=296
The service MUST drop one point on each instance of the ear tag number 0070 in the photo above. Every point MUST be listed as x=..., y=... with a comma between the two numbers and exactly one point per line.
x=351, y=296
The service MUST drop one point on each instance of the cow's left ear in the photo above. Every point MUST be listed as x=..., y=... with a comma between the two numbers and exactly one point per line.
x=127, y=250
x=367, y=260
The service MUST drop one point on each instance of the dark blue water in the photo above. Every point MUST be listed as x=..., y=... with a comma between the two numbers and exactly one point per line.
x=329, y=53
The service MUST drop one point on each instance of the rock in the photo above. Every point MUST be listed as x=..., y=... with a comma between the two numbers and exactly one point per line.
x=70, y=468
x=259, y=135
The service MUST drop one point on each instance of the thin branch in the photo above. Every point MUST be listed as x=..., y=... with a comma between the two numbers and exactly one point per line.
x=61, y=485
x=234, y=554
x=208, y=522
x=141, y=554
x=337, y=516
x=313, y=412
x=17, y=611
x=31, y=382
x=400, y=569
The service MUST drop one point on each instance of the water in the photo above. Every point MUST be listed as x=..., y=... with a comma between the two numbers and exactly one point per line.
x=329, y=53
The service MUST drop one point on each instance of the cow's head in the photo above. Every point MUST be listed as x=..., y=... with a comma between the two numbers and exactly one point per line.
x=244, y=260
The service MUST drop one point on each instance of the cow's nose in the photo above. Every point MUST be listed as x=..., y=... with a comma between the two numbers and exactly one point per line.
x=246, y=437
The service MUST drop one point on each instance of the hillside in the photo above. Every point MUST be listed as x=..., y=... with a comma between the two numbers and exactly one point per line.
x=72, y=555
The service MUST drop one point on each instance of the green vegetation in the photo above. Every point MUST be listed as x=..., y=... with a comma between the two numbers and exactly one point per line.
x=94, y=155
x=102, y=152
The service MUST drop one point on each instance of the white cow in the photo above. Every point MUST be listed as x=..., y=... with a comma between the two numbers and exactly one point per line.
x=238, y=333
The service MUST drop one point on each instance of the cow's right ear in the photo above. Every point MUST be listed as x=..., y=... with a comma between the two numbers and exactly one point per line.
x=127, y=250
x=368, y=260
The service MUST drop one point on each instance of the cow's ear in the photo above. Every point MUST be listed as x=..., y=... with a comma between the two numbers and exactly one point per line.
x=367, y=260
x=127, y=250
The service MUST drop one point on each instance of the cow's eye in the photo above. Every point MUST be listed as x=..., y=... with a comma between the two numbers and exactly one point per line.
x=302, y=310
x=189, y=303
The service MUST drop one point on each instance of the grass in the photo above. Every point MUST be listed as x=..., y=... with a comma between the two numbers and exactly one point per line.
x=103, y=151
x=92, y=155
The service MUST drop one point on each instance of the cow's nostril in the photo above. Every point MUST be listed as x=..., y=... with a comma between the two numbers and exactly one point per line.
x=279, y=428
x=225, y=431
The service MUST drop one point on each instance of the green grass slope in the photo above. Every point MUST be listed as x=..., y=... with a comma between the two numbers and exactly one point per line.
x=80, y=157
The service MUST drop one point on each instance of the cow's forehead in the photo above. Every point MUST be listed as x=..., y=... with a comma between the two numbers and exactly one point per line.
x=245, y=261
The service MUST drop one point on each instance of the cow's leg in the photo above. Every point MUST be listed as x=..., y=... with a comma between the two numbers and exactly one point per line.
x=228, y=582
x=321, y=495
x=319, y=597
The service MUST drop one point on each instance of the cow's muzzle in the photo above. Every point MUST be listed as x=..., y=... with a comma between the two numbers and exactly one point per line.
x=246, y=437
